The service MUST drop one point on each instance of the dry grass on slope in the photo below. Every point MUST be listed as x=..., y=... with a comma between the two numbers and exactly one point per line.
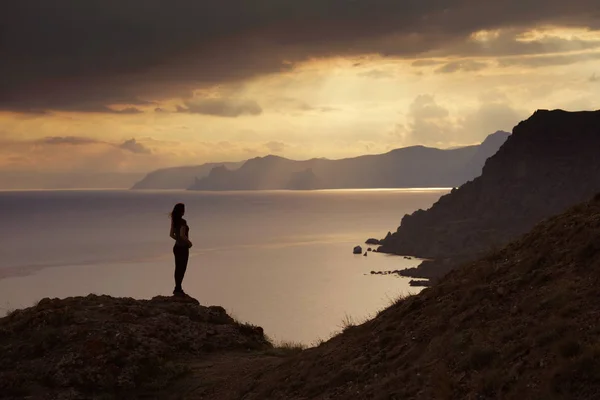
x=522, y=323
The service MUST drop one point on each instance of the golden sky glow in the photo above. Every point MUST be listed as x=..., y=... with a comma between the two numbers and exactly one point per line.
x=330, y=106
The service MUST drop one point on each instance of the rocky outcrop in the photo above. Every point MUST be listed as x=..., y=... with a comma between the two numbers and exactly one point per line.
x=415, y=166
x=91, y=346
x=549, y=163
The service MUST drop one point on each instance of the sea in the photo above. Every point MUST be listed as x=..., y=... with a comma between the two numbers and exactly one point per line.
x=282, y=260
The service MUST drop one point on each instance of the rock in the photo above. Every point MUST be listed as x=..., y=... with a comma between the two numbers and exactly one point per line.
x=369, y=249
x=420, y=283
x=372, y=241
x=80, y=347
x=365, y=254
x=357, y=250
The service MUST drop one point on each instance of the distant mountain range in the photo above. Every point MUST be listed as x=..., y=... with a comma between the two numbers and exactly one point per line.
x=415, y=166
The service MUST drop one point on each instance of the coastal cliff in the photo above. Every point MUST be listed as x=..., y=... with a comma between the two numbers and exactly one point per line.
x=549, y=163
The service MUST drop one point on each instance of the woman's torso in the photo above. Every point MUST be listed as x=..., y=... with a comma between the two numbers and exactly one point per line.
x=181, y=241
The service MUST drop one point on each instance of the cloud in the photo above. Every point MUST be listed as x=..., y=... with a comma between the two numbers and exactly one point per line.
x=489, y=117
x=221, y=107
x=426, y=63
x=91, y=55
x=521, y=41
x=133, y=146
x=547, y=61
x=290, y=104
x=128, y=110
x=594, y=78
x=275, y=147
x=463, y=66
x=377, y=74
x=430, y=123
x=67, y=140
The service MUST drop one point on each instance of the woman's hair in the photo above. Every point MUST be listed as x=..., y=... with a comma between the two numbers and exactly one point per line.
x=177, y=213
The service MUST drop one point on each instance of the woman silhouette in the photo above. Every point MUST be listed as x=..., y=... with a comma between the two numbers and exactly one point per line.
x=180, y=232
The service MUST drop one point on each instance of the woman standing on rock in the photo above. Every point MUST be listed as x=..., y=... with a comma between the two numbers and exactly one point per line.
x=180, y=232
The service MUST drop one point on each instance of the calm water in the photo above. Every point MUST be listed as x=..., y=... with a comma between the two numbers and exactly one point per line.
x=282, y=260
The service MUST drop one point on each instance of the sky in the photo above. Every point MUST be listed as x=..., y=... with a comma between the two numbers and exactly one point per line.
x=136, y=85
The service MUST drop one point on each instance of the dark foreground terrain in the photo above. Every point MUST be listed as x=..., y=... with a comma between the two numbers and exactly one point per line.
x=521, y=323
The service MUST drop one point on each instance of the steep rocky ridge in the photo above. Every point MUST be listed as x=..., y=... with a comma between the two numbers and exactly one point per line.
x=550, y=162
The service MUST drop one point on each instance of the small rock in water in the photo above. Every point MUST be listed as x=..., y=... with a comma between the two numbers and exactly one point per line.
x=358, y=250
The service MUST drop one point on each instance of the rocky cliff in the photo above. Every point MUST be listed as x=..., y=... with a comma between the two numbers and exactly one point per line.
x=550, y=162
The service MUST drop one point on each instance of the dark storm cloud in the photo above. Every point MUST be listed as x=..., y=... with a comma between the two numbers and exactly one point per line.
x=79, y=55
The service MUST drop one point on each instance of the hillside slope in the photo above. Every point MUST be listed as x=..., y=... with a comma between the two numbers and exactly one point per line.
x=415, y=166
x=521, y=323
x=549, y=163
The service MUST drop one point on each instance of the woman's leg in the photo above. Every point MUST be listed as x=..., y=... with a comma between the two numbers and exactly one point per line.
x=181, y=260
x=185, y=256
